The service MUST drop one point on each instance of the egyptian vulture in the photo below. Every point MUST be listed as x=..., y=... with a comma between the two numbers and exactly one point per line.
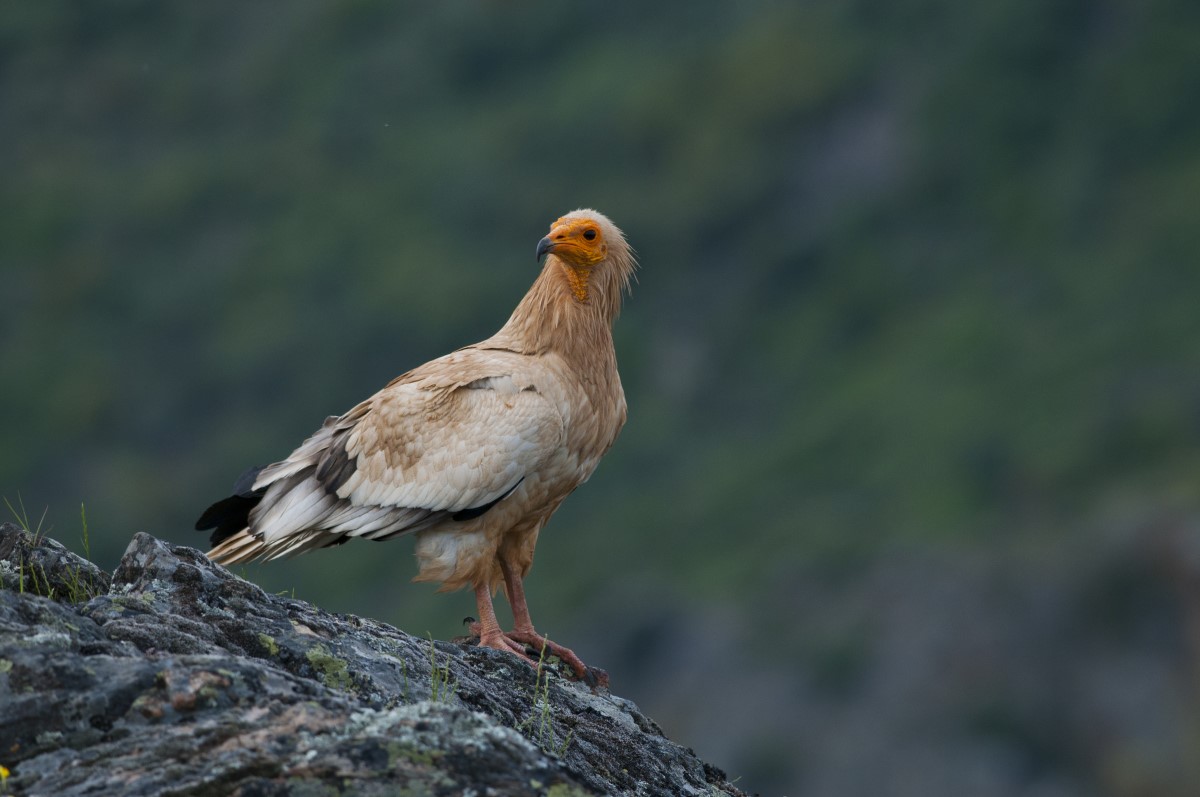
x=471, y=453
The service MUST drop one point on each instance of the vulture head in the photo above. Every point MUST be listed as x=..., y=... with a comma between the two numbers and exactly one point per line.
x=593, y=256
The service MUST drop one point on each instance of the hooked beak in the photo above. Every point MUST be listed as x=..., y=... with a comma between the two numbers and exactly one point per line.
x=544, y=246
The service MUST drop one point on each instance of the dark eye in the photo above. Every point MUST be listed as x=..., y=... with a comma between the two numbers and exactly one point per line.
x=589, y=235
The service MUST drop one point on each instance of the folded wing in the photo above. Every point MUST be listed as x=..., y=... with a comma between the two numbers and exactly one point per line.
x=418, y=453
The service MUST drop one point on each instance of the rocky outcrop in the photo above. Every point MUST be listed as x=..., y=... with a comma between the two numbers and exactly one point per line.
x=173, y=676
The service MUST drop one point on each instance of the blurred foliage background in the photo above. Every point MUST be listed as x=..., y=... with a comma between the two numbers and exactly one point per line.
x=907, y=502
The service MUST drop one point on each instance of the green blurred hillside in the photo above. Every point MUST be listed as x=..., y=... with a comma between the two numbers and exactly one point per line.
x=918, y=274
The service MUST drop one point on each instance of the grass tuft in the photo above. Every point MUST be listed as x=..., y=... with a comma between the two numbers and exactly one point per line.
x=442, y=686
x=539, y=725
x=22, y=516
x=78, y=587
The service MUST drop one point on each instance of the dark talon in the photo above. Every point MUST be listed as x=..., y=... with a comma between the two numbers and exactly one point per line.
x=595, y=677
x=468, y=620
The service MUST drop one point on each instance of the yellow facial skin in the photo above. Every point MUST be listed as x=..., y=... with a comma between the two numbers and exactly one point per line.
x=580, y=245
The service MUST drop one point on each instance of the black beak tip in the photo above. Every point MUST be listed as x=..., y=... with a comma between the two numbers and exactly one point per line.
x=544, y=246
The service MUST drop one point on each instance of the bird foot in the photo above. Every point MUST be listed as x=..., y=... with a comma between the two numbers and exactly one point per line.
x=496, y=640
x=521, y=643
x=499, y=641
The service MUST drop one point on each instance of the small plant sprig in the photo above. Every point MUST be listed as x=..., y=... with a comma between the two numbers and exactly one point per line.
x=442, y=685
x=83, y=536
x=540, y=722
x=79, y=588
x=43, y=587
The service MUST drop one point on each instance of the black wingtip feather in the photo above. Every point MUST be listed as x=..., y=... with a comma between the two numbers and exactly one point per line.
x=230, y=515
x=227, y=517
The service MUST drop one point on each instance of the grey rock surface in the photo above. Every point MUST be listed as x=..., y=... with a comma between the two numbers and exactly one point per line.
x=175, y=676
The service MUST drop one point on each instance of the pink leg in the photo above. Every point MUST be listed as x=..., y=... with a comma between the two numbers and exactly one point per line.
x=490, y=635
x=523, y=631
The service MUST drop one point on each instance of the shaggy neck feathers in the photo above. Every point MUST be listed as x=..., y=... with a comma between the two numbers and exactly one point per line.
x=552, y=318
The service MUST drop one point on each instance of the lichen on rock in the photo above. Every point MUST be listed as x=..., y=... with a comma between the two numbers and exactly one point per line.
x=175, y=676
